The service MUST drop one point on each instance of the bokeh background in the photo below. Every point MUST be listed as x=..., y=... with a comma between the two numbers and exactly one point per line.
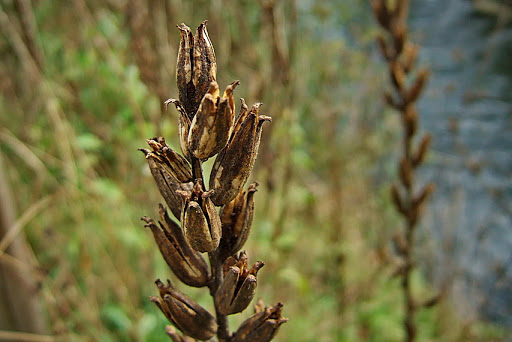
x=82, y=85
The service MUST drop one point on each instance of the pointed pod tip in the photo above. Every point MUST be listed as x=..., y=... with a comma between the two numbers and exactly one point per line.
x=256, y=267
x=148, y=220
x=144, y=150
x=263, y=118
x=253, y=187
x=182, y=27
x=173, y=101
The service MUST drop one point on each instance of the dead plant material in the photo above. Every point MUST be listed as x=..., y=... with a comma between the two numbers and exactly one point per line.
x=407, y=87
x=208, y=127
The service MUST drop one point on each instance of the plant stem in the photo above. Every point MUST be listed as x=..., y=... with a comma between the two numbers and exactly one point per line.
x=197, y=170
x=223, y=333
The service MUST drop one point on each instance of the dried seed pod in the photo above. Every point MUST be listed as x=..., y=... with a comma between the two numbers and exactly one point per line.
x=432, y=301
x=381, y=13
x=410, y=118
x=414, y=92
x=423, y=195
x=196, y=67
x=236, y=219
x=238, y=288
x=397, y=200
x=400, y=10
x=184, y=313
x=399, y=34
x=176, y=336
x=166, y=183
x=420, y=154
x=398, y=76
x=409, y=56
x=400, y=244
x=262, y=326
x=213, y=122
x=405, y=172
x=242, y=115
x=183, y=126
x=383, y=47
x=177, y=166
x=185, y=262
x=234, y=163
x=392, y=101
x=200, y=220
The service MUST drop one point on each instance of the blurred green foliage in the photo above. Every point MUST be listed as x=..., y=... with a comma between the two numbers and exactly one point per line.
x=71, y=126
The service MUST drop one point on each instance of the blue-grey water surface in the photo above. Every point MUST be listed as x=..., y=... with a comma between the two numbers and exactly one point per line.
x=468, y=108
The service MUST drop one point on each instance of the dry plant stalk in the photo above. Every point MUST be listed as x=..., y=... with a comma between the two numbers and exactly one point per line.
x=208, y=127
x=401, y=55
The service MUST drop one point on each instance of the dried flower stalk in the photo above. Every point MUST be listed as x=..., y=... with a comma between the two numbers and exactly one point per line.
x=401, y=54
x=208, y=127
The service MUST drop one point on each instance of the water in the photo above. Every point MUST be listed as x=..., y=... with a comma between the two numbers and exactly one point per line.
x=468, y=108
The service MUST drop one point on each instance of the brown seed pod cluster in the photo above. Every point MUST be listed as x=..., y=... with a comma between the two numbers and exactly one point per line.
x=406, y=87
x=216, y=220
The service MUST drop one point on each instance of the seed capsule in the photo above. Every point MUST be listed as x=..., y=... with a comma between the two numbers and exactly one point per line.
x=166, y=183
x=417, y=87
x=238, y=288
x=213, y=122
x=236, y=219
x=234, y=163
x=405, y=172
x=183, y=126
x=262, y=326
x=185, y=262
x=184, y=313
x=200, y=220
x=177, y=166
x=196, y=67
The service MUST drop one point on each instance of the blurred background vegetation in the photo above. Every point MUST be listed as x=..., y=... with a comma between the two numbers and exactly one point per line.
x=81, y=87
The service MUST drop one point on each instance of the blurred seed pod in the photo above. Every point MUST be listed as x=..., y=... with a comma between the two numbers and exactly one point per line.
x=397, y=76
x=392, y=101
x=234, y=163
x=399, y=34
x=420, y=199
x=262, y=326
x=400, y=244
x=400, y=10
x=405, y=172
x=213, y=122
x=420, y=154
x=409, y=55
x=384, y=49
x=398, y=201
x=185, y=262
x=200, y=220
x=432, y=300
x=184, y=313
x=381, y=12
x=417, y=87
x=238, y=287
x=196, y=67
x=410, y=118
